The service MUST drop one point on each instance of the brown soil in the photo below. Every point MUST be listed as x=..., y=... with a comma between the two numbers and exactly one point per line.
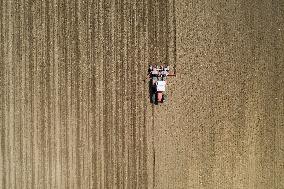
x=74, y=106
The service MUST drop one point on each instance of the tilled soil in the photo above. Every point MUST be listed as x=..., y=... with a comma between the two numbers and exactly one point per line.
x=74, y=102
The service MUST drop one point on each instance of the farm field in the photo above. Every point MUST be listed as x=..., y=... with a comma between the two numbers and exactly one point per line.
x=74, y=103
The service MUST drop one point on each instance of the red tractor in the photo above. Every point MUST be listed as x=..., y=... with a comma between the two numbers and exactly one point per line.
x=158, y=79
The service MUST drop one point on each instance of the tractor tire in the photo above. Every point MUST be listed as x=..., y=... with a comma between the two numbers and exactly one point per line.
x=164, y=98
x=153, y=98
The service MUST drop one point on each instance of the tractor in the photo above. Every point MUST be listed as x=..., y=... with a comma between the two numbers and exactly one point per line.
x=158, y=80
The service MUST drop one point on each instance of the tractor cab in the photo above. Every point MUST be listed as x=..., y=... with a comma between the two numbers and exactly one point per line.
x=161, y=88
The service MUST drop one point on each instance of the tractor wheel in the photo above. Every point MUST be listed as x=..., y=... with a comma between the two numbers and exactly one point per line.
x=153, y=98
x=164, y=98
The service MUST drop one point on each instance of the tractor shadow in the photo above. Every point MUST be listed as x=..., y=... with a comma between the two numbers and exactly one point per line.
x=152, y=93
